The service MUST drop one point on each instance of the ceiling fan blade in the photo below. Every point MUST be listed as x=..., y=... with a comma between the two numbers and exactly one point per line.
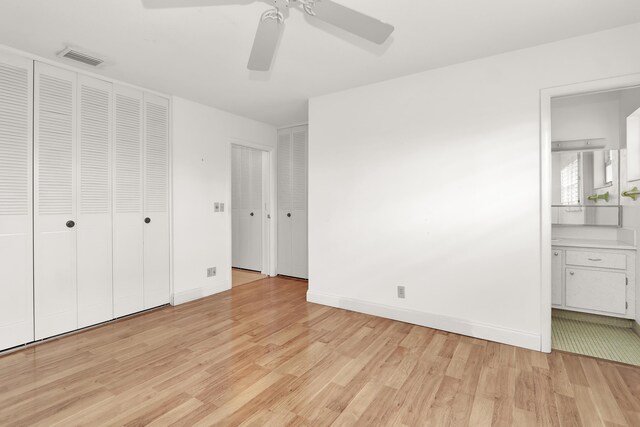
x=266, y=40
x=348, y=19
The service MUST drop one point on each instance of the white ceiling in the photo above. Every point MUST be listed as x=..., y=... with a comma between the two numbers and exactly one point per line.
x=201, y=52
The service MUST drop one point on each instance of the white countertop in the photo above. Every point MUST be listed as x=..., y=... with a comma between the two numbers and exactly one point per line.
x=592, y=243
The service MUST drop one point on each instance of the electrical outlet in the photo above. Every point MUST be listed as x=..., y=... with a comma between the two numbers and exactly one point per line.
x=400, y=291
x=211, y=271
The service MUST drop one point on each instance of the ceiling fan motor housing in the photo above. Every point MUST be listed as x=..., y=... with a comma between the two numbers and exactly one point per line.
x=281, y=4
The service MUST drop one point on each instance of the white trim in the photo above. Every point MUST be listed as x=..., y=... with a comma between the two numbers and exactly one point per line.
x=269, y=249
x=197, y=293
x=614, y=83
x=451, y=324
x=170, y=177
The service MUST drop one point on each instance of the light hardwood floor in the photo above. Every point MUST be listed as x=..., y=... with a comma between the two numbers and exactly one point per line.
x=242, y=277
x=261, y=355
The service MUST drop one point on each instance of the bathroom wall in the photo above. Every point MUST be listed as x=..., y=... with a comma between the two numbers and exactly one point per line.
x=587, y=117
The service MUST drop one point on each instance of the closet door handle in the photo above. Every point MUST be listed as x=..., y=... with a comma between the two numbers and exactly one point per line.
x=571, y=273
x=147, y=220
x=70, y=224
x=556, y=253
x=289, y=215
x=251, y=214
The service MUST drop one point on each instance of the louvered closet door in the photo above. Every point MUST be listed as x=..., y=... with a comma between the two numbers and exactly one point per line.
x=236, y=205
x=16, y=240
x=299, y=245
x=95, y=287
x=156, y=201
x=292, y=202
x=55, y=201
x=128, y=291
x=284, y=203
x=252, y=232
x=247, y=212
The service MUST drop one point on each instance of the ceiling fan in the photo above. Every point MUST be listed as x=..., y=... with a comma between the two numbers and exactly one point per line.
x=272, y=22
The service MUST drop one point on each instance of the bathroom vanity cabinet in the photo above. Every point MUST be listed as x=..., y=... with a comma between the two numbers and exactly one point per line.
x=594, y=280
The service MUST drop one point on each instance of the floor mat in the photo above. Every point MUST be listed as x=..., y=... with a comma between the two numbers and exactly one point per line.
x=609, y=342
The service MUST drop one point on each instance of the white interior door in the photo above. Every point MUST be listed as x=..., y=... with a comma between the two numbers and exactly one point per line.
x=299, y=246
x=95, y=285
x=284, y=261
x=243, y=210
x=156, y=201
x=16, y=239
x=292, y=202
x=128, y=291
x=246, y=208
x=253, y=245
x=55, y=289
x=236, y=201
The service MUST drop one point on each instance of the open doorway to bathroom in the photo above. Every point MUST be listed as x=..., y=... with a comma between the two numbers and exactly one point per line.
x=595, y=223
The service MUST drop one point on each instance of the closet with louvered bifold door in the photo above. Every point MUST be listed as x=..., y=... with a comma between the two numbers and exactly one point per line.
x=16, y=239
x=156, y=201
x=246, y=207
x=55, y=201
x=95, y=225
x=128, y=223
x=141, y=201
x=72, y=187
x=100, y=198
x=292, y=202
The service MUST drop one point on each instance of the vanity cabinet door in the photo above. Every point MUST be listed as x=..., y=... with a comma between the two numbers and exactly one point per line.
x=596, y=290
x=556, y=277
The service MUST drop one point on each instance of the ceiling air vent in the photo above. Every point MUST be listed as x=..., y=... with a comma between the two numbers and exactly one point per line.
x=76, y=55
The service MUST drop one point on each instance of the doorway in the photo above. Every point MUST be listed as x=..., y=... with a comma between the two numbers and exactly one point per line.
x=250, y=201
x=590, y=219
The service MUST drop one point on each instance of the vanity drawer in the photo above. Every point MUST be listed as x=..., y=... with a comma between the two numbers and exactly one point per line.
x=596, y=259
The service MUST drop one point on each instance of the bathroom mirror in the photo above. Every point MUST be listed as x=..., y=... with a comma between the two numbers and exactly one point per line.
x=585, y=187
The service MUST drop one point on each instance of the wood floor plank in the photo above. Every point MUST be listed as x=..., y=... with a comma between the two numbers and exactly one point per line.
x=260, y=355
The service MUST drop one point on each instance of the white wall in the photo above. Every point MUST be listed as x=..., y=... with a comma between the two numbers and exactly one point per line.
x=587, y=117
x=432, y=181
x=202, y=139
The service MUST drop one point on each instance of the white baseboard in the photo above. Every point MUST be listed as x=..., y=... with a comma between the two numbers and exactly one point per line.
x=450, y=324
x=197, y=293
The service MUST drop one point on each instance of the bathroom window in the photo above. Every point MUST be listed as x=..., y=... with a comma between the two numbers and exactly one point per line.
x=570, y=183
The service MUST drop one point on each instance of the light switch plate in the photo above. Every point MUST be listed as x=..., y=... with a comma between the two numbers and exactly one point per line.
x=221, y=207
x=216, y=207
